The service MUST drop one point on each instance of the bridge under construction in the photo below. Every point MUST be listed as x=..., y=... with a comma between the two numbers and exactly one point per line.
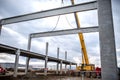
x=105, y=29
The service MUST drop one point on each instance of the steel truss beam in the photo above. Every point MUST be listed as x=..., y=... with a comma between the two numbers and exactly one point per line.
x=64, y=32
x=48, y=13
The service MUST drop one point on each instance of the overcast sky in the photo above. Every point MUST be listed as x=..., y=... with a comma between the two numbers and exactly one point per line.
x=17, y=34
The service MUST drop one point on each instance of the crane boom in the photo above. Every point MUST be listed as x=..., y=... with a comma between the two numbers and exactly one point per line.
x=81, y=38
x=85, y=66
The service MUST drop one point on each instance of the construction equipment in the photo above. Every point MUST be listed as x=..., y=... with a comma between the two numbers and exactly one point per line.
x=85, y=66
x=3, y=71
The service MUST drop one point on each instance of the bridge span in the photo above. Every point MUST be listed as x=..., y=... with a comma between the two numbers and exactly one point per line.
x=29, y=54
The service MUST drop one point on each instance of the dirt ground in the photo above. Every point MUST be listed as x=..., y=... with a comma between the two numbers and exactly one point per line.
x=32, y=76
x=47, y=78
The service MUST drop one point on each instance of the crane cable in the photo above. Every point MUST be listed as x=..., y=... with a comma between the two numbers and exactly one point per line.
x=67, y=18
x=62, y=4
x=56, y=23
x=58, y=18
x=68, y=21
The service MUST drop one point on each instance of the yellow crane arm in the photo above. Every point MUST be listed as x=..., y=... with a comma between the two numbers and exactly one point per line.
x=81, y=38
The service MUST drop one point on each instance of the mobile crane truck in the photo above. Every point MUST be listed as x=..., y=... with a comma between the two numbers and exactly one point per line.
x=88, y=69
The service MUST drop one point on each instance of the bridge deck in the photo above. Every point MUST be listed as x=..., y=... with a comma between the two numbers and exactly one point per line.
x=12, y=50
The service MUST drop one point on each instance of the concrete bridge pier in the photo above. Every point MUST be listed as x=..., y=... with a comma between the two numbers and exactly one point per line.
x=57, y=71
x=70, y=66
x=61, y=67
x=66, y=60
x=16, y=63
x=28, y=58
x=0, y=29
x=27, y=65
x=65, y=68
x=57, y=63
x=46, y=60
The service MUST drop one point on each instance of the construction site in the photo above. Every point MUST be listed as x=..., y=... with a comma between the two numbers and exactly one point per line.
x=36, y=53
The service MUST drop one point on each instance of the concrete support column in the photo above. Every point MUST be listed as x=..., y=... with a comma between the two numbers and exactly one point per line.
x=27, y=65
x=57, y=63
x=28, y=59
x=46, y=60
x=61, y=67
x=57, y=71
x=76, y=66
x=65, y=59
x=16, y=63
x=107, y=41
x=65, y=68
x=45, y=70
x=0, y=29
x=29, y=43
x=70, y=66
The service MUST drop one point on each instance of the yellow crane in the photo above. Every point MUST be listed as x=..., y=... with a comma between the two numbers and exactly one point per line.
x=85, y=66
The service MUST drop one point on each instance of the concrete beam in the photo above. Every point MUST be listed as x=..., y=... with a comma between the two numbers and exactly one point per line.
x=64, y=32
x=16, y=63
x=107, y=41
x=53, y=12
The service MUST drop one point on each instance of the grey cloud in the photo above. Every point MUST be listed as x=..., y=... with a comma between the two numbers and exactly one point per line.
x=5, y=56
x=14, y=7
